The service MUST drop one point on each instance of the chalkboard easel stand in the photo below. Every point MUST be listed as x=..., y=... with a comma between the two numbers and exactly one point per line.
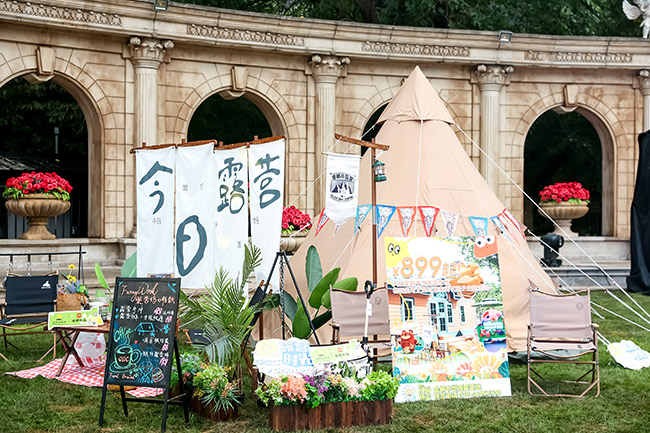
x=181, y=399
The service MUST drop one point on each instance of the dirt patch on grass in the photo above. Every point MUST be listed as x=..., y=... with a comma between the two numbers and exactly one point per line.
x=67, y=409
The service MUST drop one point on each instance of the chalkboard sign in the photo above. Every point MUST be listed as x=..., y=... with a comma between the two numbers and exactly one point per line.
x=141, y=342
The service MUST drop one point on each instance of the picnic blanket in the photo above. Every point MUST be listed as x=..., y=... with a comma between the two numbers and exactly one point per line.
x=92, y=374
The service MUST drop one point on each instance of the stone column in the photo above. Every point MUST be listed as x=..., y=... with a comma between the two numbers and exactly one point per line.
x=490, y=79
x=644, y=85
x=147, y=54
x=326, y=71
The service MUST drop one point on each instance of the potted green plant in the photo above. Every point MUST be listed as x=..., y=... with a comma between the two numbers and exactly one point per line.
x=219, y=396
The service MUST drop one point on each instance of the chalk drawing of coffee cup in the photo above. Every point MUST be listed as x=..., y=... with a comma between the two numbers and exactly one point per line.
x=126, y=358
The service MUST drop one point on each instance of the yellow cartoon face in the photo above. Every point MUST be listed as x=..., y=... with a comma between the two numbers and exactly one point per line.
x=395, y=251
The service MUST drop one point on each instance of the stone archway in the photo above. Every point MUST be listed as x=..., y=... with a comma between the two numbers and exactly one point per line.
x=607, y=163
x=94, y=200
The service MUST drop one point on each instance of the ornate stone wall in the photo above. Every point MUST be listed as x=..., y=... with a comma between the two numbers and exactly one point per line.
x=139, y=75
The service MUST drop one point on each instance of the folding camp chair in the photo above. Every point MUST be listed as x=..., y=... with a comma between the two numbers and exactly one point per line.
x=28, y=300
x=349, y=319
x=561, y=331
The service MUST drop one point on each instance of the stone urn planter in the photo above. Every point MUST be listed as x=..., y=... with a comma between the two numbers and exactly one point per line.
x=37, y=208
x=290, y=243
x=563, y=213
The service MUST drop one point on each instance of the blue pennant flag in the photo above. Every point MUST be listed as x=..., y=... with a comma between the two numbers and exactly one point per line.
x=383, y=215
x=362, y=211
x=480, y=225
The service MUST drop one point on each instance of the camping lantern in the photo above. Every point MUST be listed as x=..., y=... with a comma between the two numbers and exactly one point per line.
x=380, y=173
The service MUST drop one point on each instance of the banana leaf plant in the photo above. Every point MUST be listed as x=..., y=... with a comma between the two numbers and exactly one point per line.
x=224, y=313
x=319, y=296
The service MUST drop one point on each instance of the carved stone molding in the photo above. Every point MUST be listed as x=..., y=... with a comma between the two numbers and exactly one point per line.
x=591, y=57
x=66, y=14
x=150, y=50
x=573, y=57
x=415, y=49
x=643, y=81
x=492, y=75
x=328, y=66
x=245, y=35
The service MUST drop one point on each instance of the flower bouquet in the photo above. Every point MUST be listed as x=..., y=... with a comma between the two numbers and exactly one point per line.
x=37, y=183
x=327, y=399
x=71, y=295
x=293, y=219
x=569, y=192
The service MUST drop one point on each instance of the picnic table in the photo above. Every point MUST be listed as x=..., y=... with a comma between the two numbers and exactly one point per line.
x=68, y=335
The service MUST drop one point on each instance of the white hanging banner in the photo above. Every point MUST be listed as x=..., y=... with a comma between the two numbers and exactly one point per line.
x=155, y=210
x=195, y=215
x=342, y=187
x=450, y=219
x=231, y=226
x=266, y=178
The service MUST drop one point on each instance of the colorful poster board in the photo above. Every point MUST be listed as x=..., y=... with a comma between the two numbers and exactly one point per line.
x=143, y=326
x=275, y=357
x=74, y=318
x=446, y=313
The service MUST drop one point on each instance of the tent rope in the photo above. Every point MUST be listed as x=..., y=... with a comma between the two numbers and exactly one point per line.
x=551, y=219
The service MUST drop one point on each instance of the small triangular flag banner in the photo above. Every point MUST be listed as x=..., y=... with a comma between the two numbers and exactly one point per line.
x=512, y=218
x=504, y=221
x=322, y=220
x=406, y=218
x=362, y=211
x=499, y=226
x=480, y=225
x=384, y=214
x=337, y=227
x=428, y=215
x=450, y=219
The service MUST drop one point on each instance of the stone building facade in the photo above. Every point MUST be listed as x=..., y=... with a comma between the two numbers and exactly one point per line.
x=139, y=75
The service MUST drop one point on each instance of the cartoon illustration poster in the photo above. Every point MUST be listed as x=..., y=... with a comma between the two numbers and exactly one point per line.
x=446, y=313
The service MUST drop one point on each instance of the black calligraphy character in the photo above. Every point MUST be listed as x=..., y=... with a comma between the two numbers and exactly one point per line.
x=181, y=238
x=237, y=197
x=152, y=171
x=274, y=193
x=231, y=168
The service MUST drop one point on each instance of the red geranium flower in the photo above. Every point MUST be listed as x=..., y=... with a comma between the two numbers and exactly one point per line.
x=37, y=183
x=571, y=192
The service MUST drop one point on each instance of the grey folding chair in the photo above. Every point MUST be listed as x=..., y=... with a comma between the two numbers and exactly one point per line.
x=561, y=331
x=28, y=300
x=349, y=318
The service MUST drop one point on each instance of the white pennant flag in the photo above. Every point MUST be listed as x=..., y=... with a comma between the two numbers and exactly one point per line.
x=450, y=219
x=266, y=178
x=342, y=187
x=231, y=229
x=155, y=210
x=195, y=215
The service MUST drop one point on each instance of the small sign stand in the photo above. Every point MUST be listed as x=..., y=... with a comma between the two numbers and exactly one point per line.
x=141, y=340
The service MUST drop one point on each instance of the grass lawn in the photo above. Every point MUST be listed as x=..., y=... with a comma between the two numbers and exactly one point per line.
x=41, y=405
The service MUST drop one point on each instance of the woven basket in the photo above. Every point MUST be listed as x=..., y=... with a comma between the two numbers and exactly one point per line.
x=69, y=301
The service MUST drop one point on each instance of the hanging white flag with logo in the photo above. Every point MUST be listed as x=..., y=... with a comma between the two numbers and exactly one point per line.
x=342, y=187
x=155, y=210
x=195, y=215
x=231, y=226
x=266, y=177
x=450, y=219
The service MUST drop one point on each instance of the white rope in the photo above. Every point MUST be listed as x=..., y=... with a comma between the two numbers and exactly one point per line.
x=609, y=292
x=567, y=236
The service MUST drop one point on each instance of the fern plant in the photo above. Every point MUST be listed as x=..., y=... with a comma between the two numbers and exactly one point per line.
x=224, y=312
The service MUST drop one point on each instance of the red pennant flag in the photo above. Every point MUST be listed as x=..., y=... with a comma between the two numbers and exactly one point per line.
x=428, y=215
x=406, y=217
x=322, y=220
